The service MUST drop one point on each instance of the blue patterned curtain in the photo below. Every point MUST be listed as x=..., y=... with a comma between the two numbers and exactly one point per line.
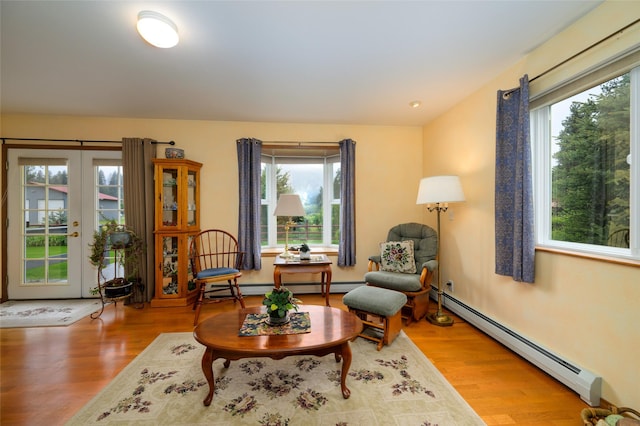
x=347, y=249
x=249, y=151
x=515, y=245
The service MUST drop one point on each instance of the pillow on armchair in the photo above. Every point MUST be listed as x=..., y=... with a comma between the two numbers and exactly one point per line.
x=397, y=256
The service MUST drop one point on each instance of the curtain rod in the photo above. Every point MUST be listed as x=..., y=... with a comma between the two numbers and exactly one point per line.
x=300, y=143
x=80, y=141
x=586, y=49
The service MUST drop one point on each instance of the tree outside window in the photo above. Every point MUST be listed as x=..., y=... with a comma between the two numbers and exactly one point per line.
x=591, y=175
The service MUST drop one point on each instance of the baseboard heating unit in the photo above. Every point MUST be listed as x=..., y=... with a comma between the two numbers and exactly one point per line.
x=584, y=382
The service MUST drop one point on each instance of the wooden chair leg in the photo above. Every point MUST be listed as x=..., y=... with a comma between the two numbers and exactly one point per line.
x=237, y=294
x=198, y=303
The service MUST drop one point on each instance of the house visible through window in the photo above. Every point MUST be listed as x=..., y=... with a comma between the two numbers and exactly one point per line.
x=109, y=191
x=312, y=172
x=583, y=169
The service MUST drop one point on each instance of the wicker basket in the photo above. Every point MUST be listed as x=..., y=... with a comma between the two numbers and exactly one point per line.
x=591, y=416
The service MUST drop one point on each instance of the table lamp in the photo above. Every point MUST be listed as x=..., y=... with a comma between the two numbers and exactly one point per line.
x=289, y=205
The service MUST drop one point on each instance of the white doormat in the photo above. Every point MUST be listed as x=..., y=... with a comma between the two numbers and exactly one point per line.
x=45, y=313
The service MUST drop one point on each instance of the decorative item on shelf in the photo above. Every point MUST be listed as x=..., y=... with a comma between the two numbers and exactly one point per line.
x=175, y=153
x=279, y=301
x=305, y=252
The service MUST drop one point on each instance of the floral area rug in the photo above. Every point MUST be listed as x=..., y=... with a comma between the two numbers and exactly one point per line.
x=43, y=313
x=165, y=385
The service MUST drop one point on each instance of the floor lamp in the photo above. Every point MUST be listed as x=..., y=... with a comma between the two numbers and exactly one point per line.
x=439, y=190
x=289, y=205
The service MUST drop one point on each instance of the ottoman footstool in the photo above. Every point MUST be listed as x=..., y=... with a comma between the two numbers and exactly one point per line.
x=371, y=303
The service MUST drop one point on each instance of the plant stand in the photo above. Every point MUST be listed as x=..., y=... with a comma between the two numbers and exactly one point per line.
x=117, y=288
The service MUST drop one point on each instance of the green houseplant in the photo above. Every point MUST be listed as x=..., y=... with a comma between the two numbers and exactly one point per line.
x=119, y=241
x=279, y=302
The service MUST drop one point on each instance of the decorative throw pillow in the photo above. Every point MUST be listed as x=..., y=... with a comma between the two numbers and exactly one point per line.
x=397, y=256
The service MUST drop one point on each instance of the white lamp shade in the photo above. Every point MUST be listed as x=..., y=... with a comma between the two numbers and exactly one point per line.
x=289, y=205
x=157, y=29
x=440, y=189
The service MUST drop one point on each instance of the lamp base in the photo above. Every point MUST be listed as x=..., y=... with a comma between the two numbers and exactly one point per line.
x=440, y=319
x=286, y=255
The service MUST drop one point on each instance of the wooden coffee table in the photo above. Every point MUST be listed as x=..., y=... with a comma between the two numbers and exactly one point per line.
x=331, y=331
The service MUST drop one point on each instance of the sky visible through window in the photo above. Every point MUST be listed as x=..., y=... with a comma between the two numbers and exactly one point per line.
x=306, y=180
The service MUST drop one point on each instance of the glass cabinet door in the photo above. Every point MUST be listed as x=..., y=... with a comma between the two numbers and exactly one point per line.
x=170, y=254
x=169, y=197
x=192, y=205
x=191, y=283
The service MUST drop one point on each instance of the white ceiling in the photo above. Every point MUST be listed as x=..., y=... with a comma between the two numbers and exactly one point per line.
x=352, y=62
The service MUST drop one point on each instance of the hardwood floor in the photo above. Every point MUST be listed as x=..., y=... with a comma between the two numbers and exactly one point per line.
x=49, y=373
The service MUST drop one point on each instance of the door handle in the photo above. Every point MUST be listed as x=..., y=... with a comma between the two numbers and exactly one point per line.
x=75, y=234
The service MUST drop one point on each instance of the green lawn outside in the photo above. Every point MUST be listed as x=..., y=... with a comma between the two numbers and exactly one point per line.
x=56, y=271
x=38, y=252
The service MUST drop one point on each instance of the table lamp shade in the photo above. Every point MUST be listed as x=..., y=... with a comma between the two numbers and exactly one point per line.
x=289, y=205
x=440, y=189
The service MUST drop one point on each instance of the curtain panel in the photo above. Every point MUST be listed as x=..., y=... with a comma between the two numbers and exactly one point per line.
x=138, y=188
x=514, y=239
x=347, y=247
x=249, y=170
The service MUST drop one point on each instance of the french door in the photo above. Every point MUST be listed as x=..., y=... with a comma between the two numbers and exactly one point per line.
x=55, y=201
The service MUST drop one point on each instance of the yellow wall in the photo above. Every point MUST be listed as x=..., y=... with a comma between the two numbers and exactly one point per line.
x=587, y=311
x=388, y=168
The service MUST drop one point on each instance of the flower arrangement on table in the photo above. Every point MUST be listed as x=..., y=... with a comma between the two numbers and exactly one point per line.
x=279, y=301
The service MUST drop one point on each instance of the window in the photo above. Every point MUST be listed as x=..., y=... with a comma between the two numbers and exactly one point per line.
x=586, y=166
x=313, y=172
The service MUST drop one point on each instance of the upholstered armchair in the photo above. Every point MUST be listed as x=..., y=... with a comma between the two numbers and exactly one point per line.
x=407, y=263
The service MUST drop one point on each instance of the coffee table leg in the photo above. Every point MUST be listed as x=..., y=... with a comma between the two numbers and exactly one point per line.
x=328, y=282
x=207, y=369
x=345, y=350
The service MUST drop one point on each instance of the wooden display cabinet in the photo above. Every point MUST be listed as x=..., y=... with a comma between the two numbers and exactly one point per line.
x=177, y=220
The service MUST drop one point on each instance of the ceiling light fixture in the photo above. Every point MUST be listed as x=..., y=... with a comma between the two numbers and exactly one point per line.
x=415, y=104
x=157, y=29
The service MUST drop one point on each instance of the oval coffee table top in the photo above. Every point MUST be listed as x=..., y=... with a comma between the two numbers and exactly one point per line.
x=329, y=327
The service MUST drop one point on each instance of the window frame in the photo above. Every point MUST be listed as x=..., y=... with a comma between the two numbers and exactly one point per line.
x=328, y=161
x=541, y=141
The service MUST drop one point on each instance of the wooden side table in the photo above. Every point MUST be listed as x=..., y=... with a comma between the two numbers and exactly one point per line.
x=319, y=263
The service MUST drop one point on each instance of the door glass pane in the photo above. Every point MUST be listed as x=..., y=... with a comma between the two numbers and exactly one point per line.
x=110, y=197
x=57, y=250
x=44, y=248
x=110, y=207
x=33, y=263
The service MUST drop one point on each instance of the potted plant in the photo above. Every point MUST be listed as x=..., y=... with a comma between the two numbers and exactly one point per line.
x=305, y=252
x=127, y=250
x=279, y=302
